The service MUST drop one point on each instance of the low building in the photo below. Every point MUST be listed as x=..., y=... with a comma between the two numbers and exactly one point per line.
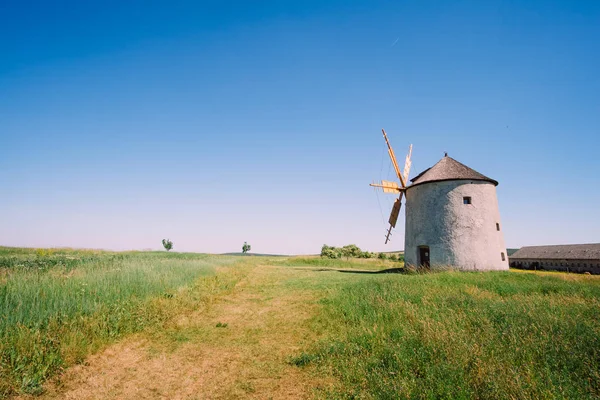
x=568, y=258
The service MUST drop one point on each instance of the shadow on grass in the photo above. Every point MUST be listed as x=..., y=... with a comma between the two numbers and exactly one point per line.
x=381, y=271
x=358, y=271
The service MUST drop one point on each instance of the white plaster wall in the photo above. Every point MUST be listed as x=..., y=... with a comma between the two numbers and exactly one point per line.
x=457, y=234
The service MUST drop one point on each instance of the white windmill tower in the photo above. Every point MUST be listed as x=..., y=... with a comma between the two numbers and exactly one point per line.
x=452, y=216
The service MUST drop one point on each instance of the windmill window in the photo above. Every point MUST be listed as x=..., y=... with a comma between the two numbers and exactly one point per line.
x=497, y=226
x=466, y=200
x=503, y=258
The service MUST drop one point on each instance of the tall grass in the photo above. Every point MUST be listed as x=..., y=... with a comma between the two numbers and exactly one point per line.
x=453, y=335
x=58, y=306
x=350, y=263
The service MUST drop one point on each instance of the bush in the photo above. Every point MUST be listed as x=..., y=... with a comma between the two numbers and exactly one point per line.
x=348, y=251
x=382, y=256
x=366, y=254
x=246, y=248
x=168, y=244
x=351, y=250
x=331, y=252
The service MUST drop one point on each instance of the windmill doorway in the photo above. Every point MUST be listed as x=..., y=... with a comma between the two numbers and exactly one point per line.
x=424, y=256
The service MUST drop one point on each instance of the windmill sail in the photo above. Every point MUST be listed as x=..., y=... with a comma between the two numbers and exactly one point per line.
x=390, y=187
x=393, y=187
x=393, y=157
x=395, y=211
x=407, y=164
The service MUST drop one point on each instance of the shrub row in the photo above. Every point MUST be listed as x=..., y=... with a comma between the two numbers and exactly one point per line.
x=353, y=251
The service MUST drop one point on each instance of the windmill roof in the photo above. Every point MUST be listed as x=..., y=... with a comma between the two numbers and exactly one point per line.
x=448, y=169
x=562, y=252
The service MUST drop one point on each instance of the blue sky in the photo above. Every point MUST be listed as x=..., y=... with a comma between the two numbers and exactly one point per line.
x=213, y=123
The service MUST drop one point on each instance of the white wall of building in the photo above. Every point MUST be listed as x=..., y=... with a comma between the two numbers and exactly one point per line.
x=458, y=234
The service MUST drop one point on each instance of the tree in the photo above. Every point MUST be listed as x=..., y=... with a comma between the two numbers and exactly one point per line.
x=351, y=250
x=167, y=244
x=246, y=248
x=366, y=254
x=331, y=252
x=382, y=256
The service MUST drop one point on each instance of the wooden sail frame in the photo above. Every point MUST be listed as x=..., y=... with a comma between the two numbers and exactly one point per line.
x=393, y=187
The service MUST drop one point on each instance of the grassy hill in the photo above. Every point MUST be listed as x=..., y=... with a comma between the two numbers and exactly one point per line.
x=163, y=324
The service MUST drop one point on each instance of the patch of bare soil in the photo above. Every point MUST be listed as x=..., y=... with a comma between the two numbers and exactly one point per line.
x=195, y=359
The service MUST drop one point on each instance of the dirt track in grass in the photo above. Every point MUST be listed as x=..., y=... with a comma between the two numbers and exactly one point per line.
x=266, y=324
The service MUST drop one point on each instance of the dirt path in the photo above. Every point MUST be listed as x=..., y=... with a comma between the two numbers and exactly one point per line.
x=266, y=325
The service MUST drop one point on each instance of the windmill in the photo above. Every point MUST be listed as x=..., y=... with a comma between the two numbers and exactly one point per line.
x=393, y=187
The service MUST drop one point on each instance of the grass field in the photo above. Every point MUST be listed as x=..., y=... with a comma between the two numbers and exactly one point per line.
x=90, y=324
x=56, y=307
x=462, y=335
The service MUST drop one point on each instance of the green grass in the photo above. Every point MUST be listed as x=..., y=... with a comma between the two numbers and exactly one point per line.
x=459, y=335
x=351, y=263
x=58, y=306
x=453, y=335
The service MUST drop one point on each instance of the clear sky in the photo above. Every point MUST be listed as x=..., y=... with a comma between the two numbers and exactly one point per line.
x=215, y=123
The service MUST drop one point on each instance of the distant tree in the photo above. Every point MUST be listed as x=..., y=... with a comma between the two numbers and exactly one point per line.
x=331, y=252
x=167, y=244
x=382, y=256
x=366, y=254
x=246, y=248
x=351, y=250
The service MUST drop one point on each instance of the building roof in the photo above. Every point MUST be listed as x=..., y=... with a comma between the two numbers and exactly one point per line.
x=562, y=252
x=448, y=169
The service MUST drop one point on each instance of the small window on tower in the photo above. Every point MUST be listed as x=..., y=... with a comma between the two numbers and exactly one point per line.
x=497, y=226
x=503, y=258
x=466, y=200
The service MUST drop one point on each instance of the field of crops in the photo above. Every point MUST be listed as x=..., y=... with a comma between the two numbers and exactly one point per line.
x=289, y=327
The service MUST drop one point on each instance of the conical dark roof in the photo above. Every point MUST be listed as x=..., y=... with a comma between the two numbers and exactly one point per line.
x=448, y=169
